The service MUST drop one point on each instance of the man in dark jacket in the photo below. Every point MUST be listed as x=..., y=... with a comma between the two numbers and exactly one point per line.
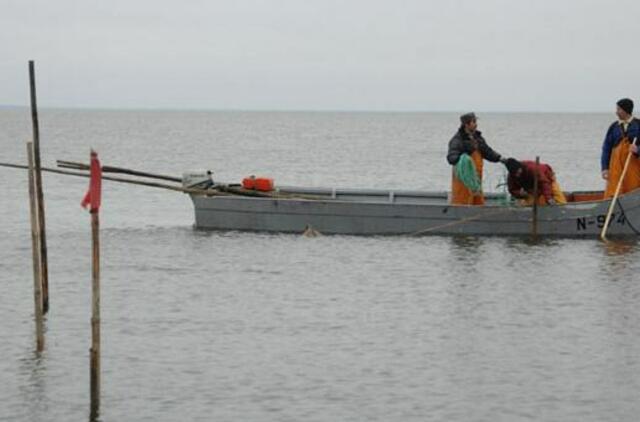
x=468, y=140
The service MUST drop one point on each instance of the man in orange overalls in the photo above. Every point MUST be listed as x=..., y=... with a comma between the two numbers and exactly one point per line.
x=469, y=140
x=616, y=147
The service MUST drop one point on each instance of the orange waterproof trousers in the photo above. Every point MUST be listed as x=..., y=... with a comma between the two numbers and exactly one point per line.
x=558, y=196
x=616, y=165
x=460, y=194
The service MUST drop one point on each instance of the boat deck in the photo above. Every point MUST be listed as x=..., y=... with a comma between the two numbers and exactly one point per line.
x=413, y=197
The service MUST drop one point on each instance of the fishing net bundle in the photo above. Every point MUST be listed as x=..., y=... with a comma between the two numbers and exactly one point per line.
x=467, y=174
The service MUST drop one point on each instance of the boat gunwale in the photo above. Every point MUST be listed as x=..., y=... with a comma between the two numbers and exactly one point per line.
x=411, y=194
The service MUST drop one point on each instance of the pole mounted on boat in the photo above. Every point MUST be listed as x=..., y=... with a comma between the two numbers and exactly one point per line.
x=603, y=233
x=534, y=218
x=44, y=268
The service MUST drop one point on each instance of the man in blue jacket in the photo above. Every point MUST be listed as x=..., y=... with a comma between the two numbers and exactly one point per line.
x=621, y=139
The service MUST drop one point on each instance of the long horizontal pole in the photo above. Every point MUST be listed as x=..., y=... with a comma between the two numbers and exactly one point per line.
x=124, y=180
x=111, y=169
x=218, y=190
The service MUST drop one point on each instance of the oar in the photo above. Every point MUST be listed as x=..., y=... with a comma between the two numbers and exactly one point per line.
x=603, y=233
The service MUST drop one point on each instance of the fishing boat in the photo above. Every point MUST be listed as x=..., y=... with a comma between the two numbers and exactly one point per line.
x=406, y=212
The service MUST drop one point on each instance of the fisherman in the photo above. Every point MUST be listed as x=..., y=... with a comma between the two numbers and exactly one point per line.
x=521, y=182
x=617, y=146
x=467, y=149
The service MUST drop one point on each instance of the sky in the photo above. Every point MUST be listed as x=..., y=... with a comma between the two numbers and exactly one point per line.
x=400, y=55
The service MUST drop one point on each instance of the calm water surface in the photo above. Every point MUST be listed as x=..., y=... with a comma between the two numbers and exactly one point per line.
x=201, y=326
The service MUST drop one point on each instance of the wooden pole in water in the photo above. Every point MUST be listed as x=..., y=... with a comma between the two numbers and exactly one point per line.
x=35, y=248
x=93, y=199
x=95, y=314
x=44, y=268
x=534, y=221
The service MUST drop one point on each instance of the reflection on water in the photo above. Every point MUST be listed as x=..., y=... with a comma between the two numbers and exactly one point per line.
x=467, y=243
x=619, y=260
x=618, y=247
x=33, y=393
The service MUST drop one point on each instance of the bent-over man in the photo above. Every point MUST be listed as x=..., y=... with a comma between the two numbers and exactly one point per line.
x=522, y=179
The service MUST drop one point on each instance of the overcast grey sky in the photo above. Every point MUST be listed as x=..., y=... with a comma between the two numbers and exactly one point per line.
x=486, y=55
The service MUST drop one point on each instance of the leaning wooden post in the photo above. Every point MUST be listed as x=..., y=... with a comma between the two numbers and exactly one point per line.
x=92, y=198
x=44, y=268
x=35, y=248
x=534, y=223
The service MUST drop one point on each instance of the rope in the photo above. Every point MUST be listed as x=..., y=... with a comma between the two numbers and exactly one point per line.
x=466, y=172
x=478, y=216
x=626, y=219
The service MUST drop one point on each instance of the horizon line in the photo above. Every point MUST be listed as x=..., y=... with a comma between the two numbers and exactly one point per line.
x=285, y=110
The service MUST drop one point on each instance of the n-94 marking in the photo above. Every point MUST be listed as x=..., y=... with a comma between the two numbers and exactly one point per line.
x=583, y=222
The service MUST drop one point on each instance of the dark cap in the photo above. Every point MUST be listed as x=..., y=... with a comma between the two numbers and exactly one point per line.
x=467, y=118
x=513, y=165
x=626, y=104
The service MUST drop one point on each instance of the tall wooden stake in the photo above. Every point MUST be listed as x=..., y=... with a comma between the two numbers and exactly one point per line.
x=95, y=315
x=44, y=268
x=534, y=222
x=35, y=248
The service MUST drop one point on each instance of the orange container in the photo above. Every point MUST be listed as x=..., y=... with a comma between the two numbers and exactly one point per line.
x=249, y=182
x=264, y=184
